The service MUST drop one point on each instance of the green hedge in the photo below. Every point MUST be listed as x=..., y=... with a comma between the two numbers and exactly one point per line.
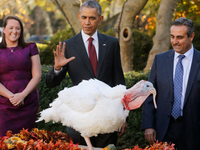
x=142, y=46
x=133, y=136
x=46, y=53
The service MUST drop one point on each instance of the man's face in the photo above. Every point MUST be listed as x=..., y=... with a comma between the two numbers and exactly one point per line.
x=89, y=20
x=180, y=40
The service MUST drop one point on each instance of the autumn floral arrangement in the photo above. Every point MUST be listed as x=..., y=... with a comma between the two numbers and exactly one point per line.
x=42, y=140
x=37, y=140
x=156, y=146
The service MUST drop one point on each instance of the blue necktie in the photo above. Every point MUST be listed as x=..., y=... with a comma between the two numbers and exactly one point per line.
x=178, y=82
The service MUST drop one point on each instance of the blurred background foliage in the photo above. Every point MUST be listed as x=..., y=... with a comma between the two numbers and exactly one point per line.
x=42, y=17
x=48, y=13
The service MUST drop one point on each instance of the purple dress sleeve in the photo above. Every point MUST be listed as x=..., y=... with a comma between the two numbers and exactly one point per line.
x=33, y=49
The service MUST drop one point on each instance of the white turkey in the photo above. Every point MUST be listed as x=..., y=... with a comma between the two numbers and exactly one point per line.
x=93, y=107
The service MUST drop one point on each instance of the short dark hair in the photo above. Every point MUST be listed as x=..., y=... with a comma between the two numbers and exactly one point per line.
x=92, y=4
x=21, y=41
x=184, y=21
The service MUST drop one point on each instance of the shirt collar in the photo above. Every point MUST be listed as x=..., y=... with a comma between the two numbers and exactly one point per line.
x=188, y=54
x=86, y=37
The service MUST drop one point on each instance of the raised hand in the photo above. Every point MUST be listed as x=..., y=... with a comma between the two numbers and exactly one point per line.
x=59, y=56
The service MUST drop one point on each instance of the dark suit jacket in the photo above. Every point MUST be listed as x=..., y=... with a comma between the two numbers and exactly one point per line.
x=162, y=78
x=109, y=64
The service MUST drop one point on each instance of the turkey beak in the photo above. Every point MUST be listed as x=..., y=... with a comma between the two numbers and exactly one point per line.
x=153, y=91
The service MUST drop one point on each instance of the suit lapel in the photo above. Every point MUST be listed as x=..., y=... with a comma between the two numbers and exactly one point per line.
x=169, y=69
x=103, y=44
x=193, y=71
x=81, y=51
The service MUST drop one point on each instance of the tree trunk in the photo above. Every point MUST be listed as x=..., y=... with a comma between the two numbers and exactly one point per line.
x=42, y=21
x=70, y=9
x=124, y=26
x=162, y=38
x=37, y=19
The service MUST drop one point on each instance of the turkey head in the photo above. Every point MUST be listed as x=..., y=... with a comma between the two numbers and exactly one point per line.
x=136, y=95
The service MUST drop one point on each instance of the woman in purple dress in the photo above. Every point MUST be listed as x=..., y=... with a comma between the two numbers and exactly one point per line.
x=20, y=73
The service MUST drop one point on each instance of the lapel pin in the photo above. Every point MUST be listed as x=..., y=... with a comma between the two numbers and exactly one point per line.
x=104, y=44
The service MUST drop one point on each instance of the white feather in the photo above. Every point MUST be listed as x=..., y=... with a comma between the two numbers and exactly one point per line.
x=92, y=107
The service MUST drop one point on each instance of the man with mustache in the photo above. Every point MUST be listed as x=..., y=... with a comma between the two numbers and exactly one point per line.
x=176, y=76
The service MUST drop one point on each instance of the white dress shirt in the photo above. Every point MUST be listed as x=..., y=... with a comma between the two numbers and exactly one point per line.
x=187, y=61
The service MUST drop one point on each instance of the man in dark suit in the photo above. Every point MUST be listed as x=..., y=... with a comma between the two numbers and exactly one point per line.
x=75, y=58
x=177, y=117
